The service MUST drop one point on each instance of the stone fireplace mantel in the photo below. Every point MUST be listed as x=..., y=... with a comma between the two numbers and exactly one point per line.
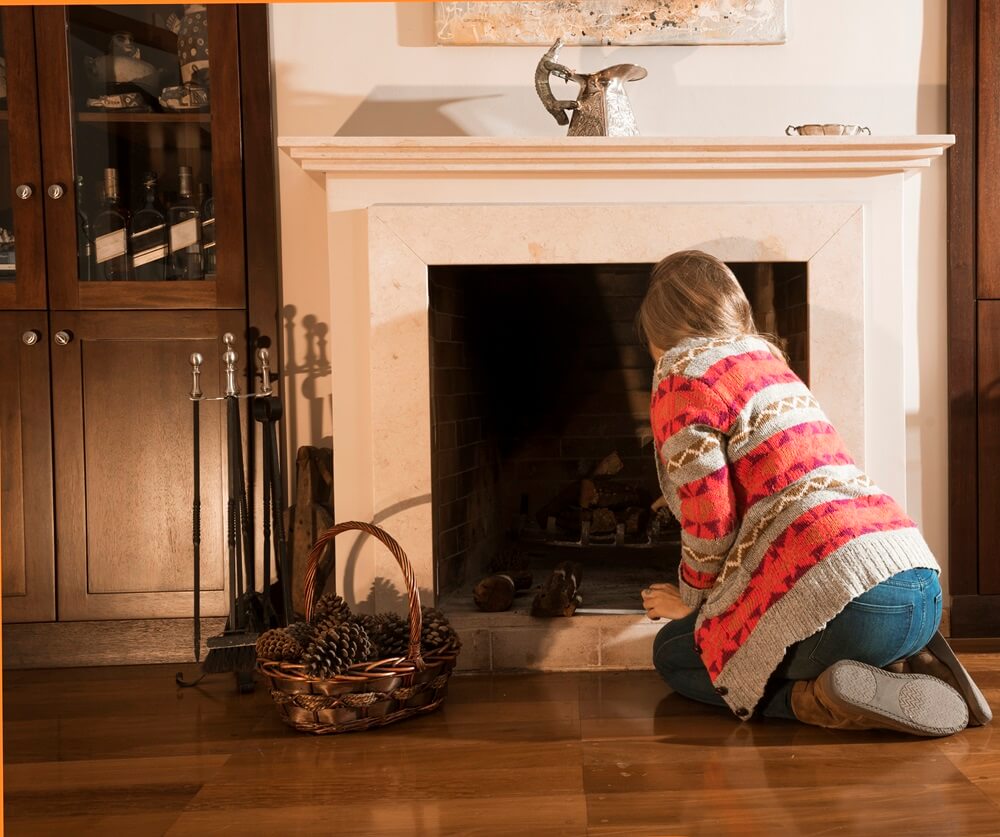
x=649, y=156
x=396, y=207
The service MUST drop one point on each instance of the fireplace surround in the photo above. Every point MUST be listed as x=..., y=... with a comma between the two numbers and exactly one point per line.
x=399, y=207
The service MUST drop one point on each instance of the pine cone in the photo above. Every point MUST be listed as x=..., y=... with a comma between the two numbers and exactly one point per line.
x=337, y=649
x=331, y=620
x=437, y=631
x=391, y=635
x=330, y=605
x=278, y=644
x=303, y=633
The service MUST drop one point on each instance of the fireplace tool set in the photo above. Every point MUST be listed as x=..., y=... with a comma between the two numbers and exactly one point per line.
x=250, y=611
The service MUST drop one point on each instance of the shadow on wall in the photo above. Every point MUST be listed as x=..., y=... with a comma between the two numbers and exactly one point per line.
x=436, y=111
x=307, y=361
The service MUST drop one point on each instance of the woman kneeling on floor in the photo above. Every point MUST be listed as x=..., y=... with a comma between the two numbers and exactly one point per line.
x=805, y=591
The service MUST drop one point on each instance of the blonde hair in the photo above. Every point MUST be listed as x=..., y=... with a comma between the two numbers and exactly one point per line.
x=694, y=294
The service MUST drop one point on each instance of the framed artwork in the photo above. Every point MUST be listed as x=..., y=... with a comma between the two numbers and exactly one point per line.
x=621, y=22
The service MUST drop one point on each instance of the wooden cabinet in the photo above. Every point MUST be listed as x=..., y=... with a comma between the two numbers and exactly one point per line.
x=26, y=524
x=974, y=317
x=22, y=239
x=989, y=444
x=106, y=118
x=123, y=462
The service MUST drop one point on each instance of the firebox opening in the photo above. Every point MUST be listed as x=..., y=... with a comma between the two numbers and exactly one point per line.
x=541, y=446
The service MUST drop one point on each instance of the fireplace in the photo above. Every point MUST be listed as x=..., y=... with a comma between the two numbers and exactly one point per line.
x=407, y=216
x=537, y=382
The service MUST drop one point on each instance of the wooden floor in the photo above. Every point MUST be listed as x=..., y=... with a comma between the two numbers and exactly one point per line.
x=120, y=751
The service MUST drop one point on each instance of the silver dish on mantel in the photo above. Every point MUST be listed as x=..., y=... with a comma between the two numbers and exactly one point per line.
x=829, y=129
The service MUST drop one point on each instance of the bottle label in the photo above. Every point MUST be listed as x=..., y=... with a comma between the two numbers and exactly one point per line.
x=109, y=246
x=152, y=254
x=148, y=245
x=183, y=234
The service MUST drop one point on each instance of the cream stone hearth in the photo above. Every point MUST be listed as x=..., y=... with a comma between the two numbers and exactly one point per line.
x=396, y=206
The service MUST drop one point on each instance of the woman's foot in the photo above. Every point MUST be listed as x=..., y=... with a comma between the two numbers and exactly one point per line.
x=938, y=660
x=852, y=695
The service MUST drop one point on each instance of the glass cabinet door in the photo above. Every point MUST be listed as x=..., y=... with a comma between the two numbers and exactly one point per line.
x=147, y=184
x=22, y=264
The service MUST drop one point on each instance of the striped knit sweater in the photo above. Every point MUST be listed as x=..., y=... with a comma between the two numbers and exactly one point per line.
x=779, y=528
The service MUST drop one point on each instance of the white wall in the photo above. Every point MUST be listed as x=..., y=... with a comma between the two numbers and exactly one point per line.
x=373, y=69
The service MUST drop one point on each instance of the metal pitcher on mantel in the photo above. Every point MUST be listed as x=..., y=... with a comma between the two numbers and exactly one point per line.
x=601, y=108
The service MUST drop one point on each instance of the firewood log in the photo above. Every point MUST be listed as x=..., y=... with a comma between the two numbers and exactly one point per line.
x=612, y=495
x=311, y=515
x=635, y=519
x=609, y=466
x=560, y=595
x=602, y=521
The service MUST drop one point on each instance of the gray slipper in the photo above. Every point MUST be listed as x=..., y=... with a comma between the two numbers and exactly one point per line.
x=979, y=710
x=913, y=703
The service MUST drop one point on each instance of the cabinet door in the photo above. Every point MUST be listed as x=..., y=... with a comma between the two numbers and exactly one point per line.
x=22, y=255
x=989, y=446
x=125, y=103
x=123, y=462
x=26, y=547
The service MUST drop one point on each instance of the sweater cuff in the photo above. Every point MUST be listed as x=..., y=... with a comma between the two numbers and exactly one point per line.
x=691, y=596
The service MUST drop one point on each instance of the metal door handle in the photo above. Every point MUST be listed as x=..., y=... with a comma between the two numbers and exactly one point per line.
x=56, y=191
x=24, y=191
x=63, y=338
x=31, y=337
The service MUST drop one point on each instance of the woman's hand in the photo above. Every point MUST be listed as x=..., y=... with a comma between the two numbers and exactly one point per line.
x=663, y=601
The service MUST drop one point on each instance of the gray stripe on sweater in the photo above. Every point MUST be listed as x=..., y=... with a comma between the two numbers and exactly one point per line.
x=813, y=601
x=731, y=587
x=716, y=351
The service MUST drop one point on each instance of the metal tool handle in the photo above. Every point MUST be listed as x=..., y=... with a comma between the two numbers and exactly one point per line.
x=264, y=366
x=229, y=358
x=196, y=361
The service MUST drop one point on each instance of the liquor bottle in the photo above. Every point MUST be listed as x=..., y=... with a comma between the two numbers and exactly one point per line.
x=207, y=203
x=84, y=236
x=148, y=235
x=110, y=233
x=184, y=221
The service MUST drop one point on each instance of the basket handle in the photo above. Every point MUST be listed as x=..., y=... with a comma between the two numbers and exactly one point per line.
x=413, y=598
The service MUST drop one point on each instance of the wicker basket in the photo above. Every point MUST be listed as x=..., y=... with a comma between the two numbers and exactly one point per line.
x=370, y=694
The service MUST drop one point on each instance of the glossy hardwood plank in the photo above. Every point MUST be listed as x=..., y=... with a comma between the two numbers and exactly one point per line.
x=543, y=816
x=122, y=751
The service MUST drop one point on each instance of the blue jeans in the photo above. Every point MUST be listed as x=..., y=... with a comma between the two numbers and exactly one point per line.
x=891, y=621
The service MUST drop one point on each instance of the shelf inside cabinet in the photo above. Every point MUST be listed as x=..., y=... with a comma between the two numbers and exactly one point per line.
x=146, y=118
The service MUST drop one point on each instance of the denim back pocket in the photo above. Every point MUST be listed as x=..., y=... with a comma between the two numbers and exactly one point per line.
x=868, y=632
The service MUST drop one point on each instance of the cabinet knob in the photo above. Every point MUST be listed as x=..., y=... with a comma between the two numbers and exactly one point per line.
x=31, y=336
x=56, y=191
x=63, y=338
x=24, y=191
